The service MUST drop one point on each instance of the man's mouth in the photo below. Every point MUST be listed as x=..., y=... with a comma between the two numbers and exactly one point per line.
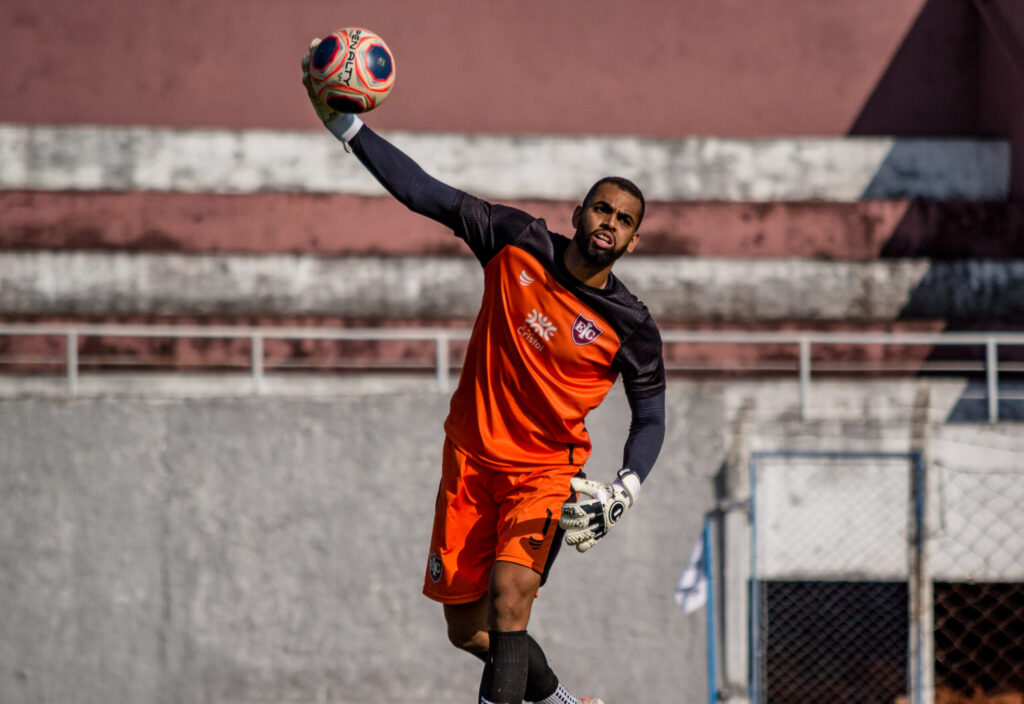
x=603, y=240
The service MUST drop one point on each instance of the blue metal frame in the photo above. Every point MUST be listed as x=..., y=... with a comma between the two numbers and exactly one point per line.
x=919, y=533
x=709, y=610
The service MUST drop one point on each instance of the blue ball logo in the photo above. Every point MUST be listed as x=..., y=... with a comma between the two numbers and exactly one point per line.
x=378, y=62
x=325, y=52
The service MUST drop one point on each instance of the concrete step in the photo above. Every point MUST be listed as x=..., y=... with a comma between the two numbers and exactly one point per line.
x=676, y=289
x=792, y=169
x=348, y=225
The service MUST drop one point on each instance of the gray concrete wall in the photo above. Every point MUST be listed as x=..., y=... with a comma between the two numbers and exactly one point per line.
x=268, y=550
x=255, y=550
x=842, y=169
x=676, y=289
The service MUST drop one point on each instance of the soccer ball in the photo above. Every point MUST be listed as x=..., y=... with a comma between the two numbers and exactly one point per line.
x=352, y=70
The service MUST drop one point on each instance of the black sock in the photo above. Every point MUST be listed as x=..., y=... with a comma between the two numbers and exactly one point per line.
x=541, y=681
x=504, y=678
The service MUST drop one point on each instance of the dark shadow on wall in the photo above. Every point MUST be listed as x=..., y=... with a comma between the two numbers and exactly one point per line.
x=958, y=230
x=975, y=296
x=931, y=86
x=972, y=406
x=936, y=86
x=973, y=291
x=942, y=170
x=978, y=296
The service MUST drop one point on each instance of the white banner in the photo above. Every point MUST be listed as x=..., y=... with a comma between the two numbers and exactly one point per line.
x=692, y=589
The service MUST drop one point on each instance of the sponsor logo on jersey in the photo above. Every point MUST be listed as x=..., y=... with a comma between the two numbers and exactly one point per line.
x=541, y=324
x=435, y=568
x=536, y=329
x=525, y=279
x=584, y=331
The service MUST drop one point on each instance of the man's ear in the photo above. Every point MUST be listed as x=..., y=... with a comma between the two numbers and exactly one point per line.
x=576, y=213
x=633, y=242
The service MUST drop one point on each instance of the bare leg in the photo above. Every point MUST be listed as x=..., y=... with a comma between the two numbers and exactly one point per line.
x=469, y=626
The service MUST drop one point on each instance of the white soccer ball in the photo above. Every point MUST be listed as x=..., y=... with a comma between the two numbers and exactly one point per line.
x=352, y=70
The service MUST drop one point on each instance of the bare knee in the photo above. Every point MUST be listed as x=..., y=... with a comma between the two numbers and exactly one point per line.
x=472, y=641
x=513, y=589
x=467, y=626
x=510, y=610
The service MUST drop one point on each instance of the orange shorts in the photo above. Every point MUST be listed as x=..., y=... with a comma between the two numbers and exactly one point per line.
x=483, y=515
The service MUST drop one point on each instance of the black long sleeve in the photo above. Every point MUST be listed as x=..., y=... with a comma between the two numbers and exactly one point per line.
x=402, y=177
x=646, y=434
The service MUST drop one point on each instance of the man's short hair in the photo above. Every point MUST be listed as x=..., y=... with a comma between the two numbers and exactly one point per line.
x=623, y=183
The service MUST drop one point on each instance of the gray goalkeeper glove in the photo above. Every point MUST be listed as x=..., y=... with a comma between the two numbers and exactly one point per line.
x=342, y=125
x=597, y=508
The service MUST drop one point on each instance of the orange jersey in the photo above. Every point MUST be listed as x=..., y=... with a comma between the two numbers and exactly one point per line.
x=545, y=348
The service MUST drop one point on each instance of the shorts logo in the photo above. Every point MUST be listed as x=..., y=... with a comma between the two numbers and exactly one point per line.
x=584, y=331
x=435, y=568
x=536, y=543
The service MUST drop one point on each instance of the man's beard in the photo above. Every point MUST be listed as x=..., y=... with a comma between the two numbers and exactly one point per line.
x=593, y=255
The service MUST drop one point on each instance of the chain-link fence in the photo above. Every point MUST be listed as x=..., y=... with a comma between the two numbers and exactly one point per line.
x=879, y=580
x=831, y=563
x=976, y=557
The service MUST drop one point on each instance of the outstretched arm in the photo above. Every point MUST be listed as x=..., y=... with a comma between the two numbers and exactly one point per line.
x=400, y=175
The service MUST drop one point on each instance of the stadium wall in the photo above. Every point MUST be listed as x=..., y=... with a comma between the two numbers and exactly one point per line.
x=777, y=70
x=168, y=168
x=242, y=551
x=787, y=148
x=857, y=148
x=271, y=549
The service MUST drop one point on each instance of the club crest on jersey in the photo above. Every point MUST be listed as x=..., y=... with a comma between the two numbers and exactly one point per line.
x=584, y=331
x=435, y=568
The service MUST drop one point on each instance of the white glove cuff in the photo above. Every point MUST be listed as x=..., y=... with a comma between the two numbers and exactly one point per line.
x=629, y=482
x=344, y=126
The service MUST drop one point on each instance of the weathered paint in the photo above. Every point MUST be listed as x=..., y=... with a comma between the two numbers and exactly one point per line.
x=676, y=289
x=550, y=168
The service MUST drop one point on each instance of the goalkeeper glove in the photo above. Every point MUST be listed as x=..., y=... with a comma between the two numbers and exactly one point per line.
x=587, y=520
x=342, y=125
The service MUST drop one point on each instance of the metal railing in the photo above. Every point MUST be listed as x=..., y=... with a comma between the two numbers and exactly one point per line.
x=442, y=338
x=72, y=333
x=991, y=342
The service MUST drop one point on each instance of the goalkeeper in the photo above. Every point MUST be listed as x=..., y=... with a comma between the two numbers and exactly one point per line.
x=555, y=330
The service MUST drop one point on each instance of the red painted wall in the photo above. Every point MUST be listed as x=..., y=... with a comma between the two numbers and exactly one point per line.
x=650, y=67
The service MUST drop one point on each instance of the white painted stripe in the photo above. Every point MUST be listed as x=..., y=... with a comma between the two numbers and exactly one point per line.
x=674, y=288
x=553, y=168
